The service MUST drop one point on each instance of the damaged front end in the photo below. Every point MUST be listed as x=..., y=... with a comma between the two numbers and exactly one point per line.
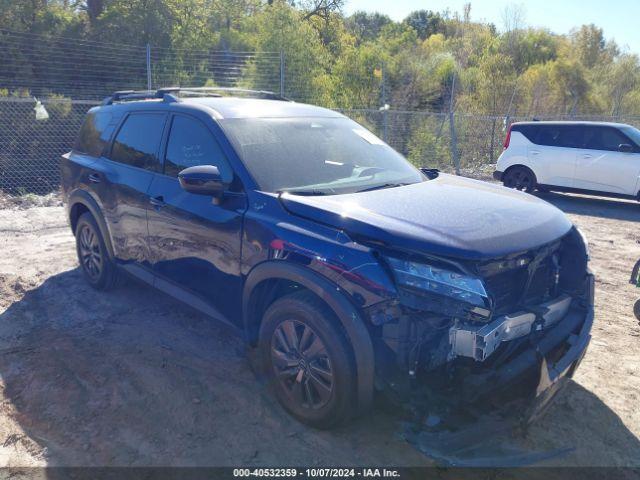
x=472, y=336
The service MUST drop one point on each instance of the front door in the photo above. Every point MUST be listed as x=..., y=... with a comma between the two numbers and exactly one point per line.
x=195, y=244
x=601, y=166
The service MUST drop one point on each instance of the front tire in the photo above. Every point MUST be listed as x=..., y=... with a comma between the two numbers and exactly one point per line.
x=96, y=264
x=520, y=178
x=307, y=359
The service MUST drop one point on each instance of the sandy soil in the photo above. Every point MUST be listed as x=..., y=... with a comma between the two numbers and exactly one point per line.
x=132, y=378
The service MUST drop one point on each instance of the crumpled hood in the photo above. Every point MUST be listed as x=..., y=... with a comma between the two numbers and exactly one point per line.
x=448, y=216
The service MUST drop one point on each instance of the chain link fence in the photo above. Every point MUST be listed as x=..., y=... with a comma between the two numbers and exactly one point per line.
x=30, y=149
x=68, y=77
x=458, y=142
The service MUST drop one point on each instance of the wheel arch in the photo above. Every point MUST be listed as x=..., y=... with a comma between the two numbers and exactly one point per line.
x=520, y=165
x=284, y=273
x=524, y=167
x=81, y=202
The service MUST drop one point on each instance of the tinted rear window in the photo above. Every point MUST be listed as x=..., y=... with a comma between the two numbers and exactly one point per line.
x=94, y=134
x=568, y=136
x=529, y=131
x=137, y=142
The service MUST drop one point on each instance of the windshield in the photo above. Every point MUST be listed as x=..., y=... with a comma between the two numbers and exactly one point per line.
x=317, y=156
x=633, y=133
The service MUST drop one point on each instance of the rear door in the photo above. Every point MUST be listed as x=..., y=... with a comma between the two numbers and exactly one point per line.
x=553, y=153
x=195, y=243
x=77, y=167
x=601, y=166
x=122, y=179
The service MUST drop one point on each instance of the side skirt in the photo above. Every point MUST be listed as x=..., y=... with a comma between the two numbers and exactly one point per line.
x=185, y=296
x=598, y=193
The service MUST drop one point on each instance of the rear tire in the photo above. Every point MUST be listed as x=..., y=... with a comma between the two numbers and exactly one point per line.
x=520, y=178
x=96, y=264
x=636, y=309
x=308, y=361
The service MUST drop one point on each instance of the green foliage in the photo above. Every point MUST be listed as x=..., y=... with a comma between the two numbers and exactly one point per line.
x=425, y=23
x=366, y=26
x=362, y=61
x=428, y=145
x=280, y=28
x=59, y=106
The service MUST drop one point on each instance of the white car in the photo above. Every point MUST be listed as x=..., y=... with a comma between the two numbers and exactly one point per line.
x=582, y=157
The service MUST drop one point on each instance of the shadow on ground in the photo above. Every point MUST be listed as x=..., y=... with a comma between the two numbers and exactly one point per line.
x=132, y=378
x=626, y=210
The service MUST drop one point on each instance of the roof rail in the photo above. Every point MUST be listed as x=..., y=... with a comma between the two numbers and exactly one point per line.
x=168, y=94
x=213, y=90
x=124, y=95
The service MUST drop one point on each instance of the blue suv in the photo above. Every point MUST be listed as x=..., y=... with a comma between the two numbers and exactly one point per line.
x=345, y=268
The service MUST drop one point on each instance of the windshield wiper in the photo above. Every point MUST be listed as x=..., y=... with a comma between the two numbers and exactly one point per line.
x=306, y=193
x=384, y=185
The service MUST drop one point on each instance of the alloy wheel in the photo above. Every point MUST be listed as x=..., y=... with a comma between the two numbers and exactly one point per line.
x=301, y=364
x=520, y=180
x=90, y=254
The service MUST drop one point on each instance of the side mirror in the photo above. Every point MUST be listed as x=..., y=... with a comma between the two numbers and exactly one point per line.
x=203, y=180
x=625, y=148
x=431, y=173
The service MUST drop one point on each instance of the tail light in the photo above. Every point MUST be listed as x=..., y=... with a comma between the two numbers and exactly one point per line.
x=507, y=140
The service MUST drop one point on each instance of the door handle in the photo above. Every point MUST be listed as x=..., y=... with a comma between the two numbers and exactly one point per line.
x=157, y=201
x=535, y=152
x=95, y=178
x=587, y=155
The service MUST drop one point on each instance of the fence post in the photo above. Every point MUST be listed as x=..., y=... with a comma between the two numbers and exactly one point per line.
x=282, y=73
x=385, y=109
x=148, y=67
x=452, y=129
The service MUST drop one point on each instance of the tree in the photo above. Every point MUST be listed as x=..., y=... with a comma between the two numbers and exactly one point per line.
x=622, y=80
x=319, y=8
x=367, y=26
x=590, y=44
x=279, y=27
x=425, y=23
x=94, y=9
x=569, y=83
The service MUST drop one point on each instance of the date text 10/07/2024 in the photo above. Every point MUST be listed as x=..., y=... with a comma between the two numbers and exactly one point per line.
x=316, y=472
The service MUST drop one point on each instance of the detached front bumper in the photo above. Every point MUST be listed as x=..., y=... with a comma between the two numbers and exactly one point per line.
x=548, y=357
x=513, y=360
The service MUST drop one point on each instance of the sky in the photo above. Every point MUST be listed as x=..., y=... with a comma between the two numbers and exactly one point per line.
x=620, y=19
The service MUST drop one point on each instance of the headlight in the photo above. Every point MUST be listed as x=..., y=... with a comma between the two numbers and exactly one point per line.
x=439, y=281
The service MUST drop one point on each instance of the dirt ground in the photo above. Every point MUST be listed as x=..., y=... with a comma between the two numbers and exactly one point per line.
x=133, y=378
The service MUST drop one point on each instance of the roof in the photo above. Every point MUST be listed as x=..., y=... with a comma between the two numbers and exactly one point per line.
x=234, y=107
x=222, y=107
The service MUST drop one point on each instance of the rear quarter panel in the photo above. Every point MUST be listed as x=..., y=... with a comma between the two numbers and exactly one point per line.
x=516, y=154
x=72, y=171
x=520, y=153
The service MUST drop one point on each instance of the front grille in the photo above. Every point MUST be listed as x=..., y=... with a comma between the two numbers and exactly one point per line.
x=507, y=287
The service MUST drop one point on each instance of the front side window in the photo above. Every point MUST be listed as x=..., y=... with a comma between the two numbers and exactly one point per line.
x=634, y=134
x=138, y=140
x=94, y=134
x=605, y=138
x=191, y=144
x=317, y=156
